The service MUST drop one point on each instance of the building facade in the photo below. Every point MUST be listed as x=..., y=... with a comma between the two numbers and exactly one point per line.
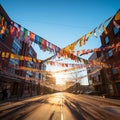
x=111, y=56
x=13, y=49
x=96, y=77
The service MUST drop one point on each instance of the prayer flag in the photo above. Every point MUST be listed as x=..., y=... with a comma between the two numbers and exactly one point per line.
x=25, y=33
x=99, y=28
x=32, y=36
x=40, y=41
x=36, y=39
x=94, y=32
x=116, y=25
x=117, y=16
x=104, y=29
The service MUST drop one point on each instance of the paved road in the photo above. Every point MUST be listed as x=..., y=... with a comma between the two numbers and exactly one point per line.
x=62, y=106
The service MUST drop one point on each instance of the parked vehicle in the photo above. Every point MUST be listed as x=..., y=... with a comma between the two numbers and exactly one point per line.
x=92, y=92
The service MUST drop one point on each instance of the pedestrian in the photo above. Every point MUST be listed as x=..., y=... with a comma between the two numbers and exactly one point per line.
x=4, y=94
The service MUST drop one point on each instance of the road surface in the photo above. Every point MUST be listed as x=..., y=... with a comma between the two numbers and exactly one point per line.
x=62, y=106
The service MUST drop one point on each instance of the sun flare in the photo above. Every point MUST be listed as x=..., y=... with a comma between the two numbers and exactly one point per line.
x=59, y=80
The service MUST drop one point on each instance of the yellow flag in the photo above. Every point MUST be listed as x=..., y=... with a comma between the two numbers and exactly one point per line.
x=88, y=35
x=29, y=59
x=2, y=30
x=34, y=59
x=117, y=16
x=94, y=49
x=12, y=56
x=21, y=57
x=67, y=48
x=3, y=54
x=81, y=41
x=7, y=55
x=72, y=46
x=105, y=31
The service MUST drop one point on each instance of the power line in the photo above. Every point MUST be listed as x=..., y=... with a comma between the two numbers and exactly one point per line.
x=57, y=24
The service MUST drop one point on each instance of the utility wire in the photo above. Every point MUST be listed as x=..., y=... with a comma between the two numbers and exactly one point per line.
x=57, y=24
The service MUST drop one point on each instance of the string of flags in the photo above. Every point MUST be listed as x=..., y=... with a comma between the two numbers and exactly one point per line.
x=19, y=57
x=36, y=80
x=82, y=41
x=8, y=55
x=25, y=35
x=82, y=52
x=28, y=37
x=49, y=72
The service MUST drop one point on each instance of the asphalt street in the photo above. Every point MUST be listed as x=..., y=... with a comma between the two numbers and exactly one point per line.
x=62, y=106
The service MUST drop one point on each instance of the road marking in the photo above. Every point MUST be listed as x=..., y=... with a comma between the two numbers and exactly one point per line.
x=61, y=108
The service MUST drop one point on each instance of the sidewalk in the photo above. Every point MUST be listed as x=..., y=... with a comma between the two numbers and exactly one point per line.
x=112, y=101
x=15, y=99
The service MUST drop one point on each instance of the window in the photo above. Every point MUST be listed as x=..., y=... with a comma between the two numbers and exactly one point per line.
x=16, y=48
x=29, y=74
x=106, y=40
x=115, y=30
x=30, y=64
x=14, y=62
x=114, y=71
x=31, y=54
x=2, y=37
x=110, y=53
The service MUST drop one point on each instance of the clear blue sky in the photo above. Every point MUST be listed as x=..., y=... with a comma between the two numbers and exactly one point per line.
x=61, y=21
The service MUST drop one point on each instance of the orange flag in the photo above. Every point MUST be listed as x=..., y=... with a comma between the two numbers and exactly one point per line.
x=117, y=16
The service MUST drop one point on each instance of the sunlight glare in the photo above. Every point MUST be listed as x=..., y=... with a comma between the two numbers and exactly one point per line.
x=59, y=80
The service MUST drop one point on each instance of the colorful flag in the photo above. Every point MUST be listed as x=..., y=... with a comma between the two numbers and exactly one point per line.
x=104, y=29
x=32, y=35
x=99, y=28
x=40, y=41
x=7, y=54
x=108, y=19
x=54, y=47
x=117, y=16
x=94, y=32
x=36, y=39
x=116, y=25
x=25, y=33
x=88, y=35
x=18, y=31
x=44, y=44
x=12, y=29
x=12, y=56
x=20, y=37
x=2, y=31
x=3, y=54
x=72, y=46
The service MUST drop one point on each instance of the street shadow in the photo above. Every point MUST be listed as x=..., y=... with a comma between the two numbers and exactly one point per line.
x=12, y=111
x=74, y=111
x=51, y=116
x=77, y=111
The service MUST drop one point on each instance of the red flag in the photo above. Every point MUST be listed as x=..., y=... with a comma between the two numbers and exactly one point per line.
x=18, y=31
x=32, y=35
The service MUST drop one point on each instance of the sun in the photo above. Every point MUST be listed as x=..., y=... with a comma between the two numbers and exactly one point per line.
x=59, y=80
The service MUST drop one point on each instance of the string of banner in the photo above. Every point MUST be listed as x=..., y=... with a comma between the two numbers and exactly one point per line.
x=27, y=36
x=82, y=41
